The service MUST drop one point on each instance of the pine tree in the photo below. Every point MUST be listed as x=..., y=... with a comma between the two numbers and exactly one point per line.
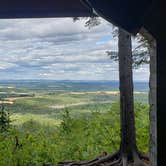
x=4, y=119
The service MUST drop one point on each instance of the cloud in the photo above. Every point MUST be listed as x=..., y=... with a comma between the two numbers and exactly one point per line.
x=6, y=65
x=58, y=49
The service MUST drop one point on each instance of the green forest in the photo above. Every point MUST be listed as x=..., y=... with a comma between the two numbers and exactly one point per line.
x=52, y=122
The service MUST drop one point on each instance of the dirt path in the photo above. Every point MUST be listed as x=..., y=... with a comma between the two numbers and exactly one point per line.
x=113, y=92
x=6, y=102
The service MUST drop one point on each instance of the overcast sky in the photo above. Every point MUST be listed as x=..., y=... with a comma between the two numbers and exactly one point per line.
x=58, y=49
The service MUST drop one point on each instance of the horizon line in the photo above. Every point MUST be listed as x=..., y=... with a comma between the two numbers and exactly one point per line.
x=64, y=80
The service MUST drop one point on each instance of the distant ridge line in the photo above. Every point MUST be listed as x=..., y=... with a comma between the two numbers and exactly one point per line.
x=51, y=80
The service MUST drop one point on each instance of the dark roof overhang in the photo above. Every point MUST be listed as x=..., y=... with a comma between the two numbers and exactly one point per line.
x=42, y=9
x=128, y=14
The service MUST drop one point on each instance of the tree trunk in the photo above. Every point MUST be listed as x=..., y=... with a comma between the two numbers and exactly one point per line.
x=152, y=96
x=153, y=106
x=128, y=135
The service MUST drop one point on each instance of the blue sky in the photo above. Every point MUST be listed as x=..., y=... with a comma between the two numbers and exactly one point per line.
x=58, y=48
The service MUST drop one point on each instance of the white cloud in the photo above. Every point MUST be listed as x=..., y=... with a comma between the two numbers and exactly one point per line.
x=6, y=65
x=58, y=49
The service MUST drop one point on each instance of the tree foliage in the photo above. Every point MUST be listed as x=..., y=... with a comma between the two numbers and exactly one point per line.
x=140, y=54
x=90, y=21
x=4, y=119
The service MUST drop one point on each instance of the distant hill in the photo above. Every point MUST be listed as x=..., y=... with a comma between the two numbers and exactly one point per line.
x=75, y=85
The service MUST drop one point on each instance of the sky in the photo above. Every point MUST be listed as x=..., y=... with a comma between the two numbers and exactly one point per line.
x=59, y=49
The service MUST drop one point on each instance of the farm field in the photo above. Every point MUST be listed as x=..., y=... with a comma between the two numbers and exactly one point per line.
x=56, y=120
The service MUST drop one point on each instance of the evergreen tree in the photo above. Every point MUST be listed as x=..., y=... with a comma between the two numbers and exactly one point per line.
x=4, y=119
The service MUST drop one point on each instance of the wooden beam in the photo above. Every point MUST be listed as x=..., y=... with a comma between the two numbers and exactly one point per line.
x=42, y=8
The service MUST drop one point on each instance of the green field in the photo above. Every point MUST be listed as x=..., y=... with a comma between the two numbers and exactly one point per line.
x=65, y=120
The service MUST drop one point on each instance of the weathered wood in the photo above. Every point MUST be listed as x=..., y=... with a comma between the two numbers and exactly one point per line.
x=153, y=105
x=47, y=164
x=152, y=97
x=128, y=136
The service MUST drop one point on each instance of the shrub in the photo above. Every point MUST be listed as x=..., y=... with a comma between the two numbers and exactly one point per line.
x=4, y=119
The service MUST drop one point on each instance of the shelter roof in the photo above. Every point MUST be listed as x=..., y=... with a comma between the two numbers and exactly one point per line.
x=42, y=8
